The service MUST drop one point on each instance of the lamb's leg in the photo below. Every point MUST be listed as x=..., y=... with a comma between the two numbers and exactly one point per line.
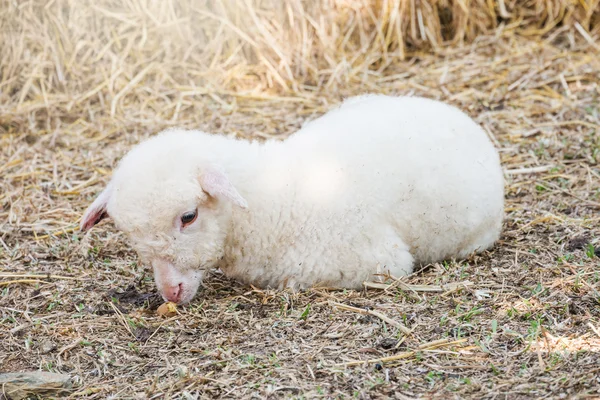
x=392, y=256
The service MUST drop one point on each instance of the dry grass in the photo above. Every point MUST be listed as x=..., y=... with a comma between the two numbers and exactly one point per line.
x=81, y=82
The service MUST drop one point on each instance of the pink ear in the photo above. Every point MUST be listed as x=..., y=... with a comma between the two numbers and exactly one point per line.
x=96, y=212
x=216, y=184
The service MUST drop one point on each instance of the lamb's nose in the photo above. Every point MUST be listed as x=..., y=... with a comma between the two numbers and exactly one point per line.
x=173, y=293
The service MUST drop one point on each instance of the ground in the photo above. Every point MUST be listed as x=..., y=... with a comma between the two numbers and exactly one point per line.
x=520, y=321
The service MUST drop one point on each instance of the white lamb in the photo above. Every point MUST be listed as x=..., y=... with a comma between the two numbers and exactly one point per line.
x=372, y=187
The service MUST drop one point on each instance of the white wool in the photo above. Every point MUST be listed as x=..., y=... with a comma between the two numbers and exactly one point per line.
x=377, y=185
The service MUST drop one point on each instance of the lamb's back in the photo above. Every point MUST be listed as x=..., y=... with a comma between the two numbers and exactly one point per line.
x=421, y=165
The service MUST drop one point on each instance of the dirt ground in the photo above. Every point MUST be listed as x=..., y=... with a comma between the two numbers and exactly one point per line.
x=520, y=321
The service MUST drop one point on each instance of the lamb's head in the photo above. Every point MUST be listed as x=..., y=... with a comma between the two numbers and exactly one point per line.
x=173, y=207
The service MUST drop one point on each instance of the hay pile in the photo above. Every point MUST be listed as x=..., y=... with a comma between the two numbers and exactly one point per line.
x=111, y=48
x=81, y=82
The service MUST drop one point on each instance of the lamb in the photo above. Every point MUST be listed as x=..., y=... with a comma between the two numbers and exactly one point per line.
x=375, y=186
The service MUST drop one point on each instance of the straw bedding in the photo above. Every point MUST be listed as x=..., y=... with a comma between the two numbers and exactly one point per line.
x=81, y=82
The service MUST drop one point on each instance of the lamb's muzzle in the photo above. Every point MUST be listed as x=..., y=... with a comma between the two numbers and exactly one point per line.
x=174, y=285
x=375, y=186
x=172, y=293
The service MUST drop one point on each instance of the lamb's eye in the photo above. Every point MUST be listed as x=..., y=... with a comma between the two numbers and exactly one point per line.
x=189, y=217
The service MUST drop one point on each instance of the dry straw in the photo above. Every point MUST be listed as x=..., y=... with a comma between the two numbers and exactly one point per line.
x=289, y=45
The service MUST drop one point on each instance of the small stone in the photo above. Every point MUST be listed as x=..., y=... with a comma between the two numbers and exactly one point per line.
x=183, y=371
x=47, y=347
x=579, y=242
x=388, y=343
x=21, y=385
x=31, y=139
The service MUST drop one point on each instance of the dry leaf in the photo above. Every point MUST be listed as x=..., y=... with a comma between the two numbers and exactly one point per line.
x=167, y=309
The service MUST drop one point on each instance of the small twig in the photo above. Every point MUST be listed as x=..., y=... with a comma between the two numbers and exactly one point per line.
x=318, y=292
x=529, y=170
x=567, y=123
x=5, y=283
x=19, y=328
x=586, y=36
x=122, y=319
x=73, y=278
x=158, y=328
x=377, y=314
x=206, y=378
x=539, y=355
x=593, y=328
x=58, y=232
x=69, y=346
x=420, y=288
x=439, y=367
x=556, y=187
x=405, y=354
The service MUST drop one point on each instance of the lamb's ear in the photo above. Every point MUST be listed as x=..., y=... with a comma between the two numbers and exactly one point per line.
x=96, y=212
x=215, y=183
